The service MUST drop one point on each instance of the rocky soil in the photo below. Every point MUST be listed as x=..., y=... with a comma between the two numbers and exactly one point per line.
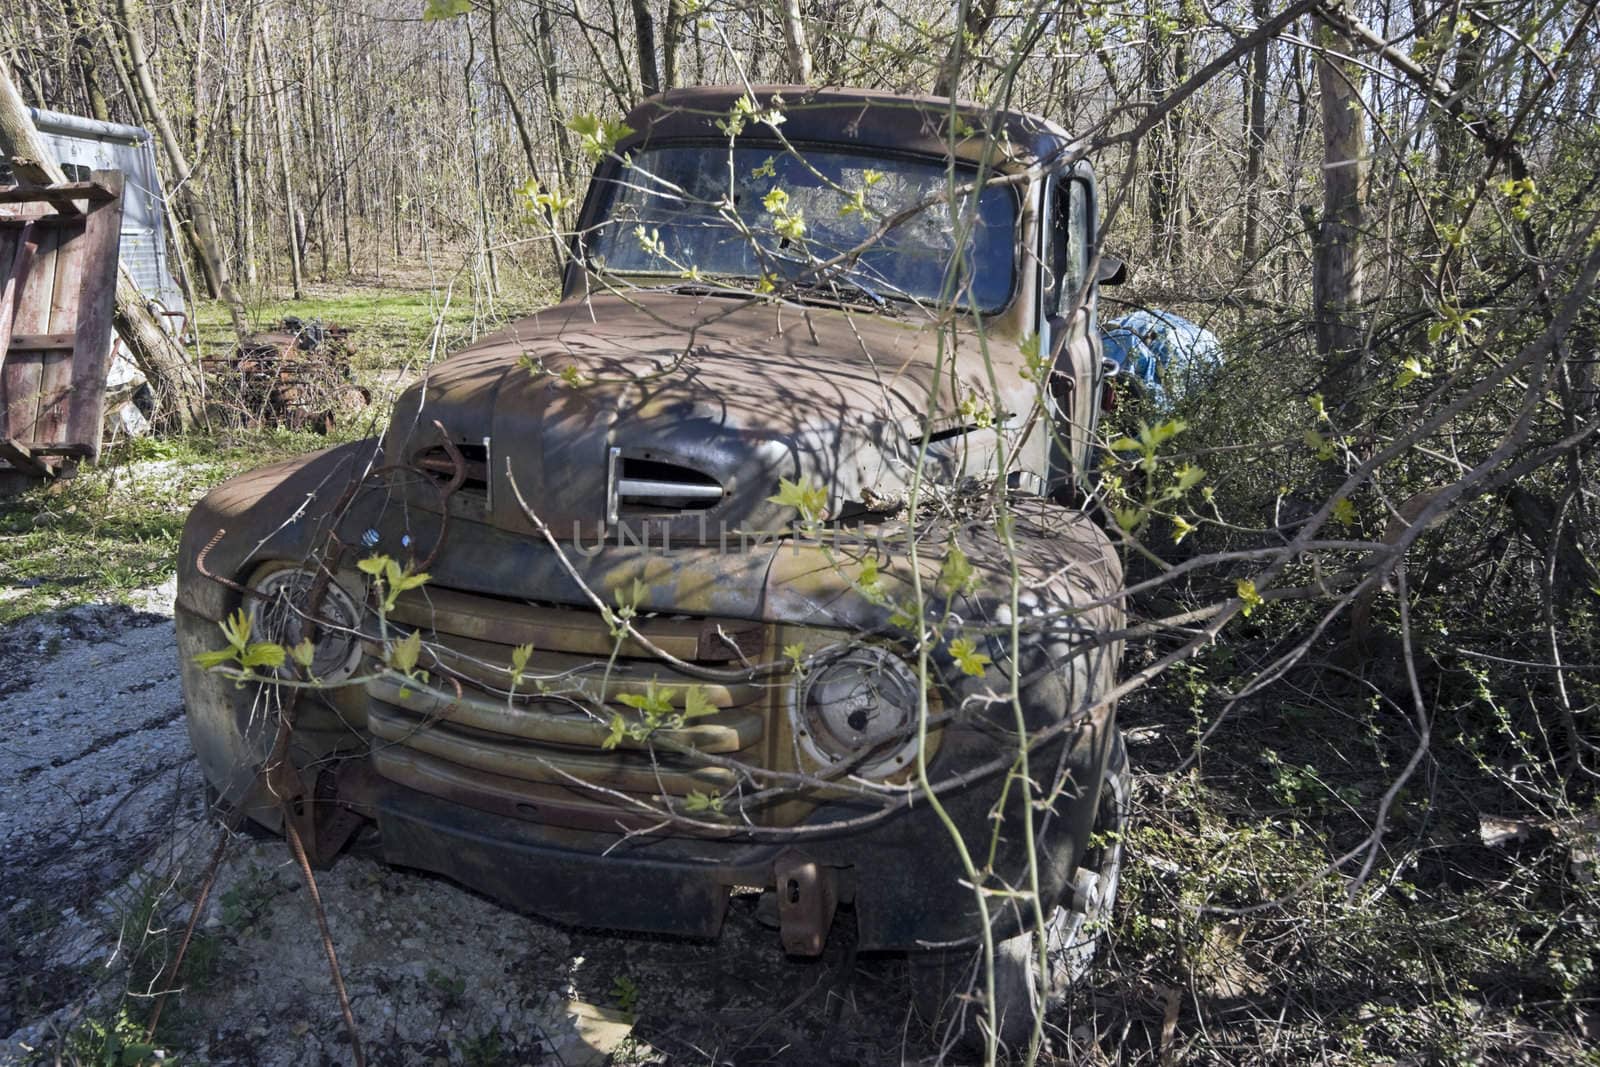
x=105, y=832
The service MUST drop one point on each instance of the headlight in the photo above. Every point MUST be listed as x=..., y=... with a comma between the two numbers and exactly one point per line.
x=857, y=701
x=279, y=614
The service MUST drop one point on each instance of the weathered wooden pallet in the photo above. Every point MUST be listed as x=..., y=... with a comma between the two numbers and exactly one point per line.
x=58, y=280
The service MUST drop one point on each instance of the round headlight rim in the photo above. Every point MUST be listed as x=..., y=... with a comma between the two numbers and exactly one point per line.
x=337, y=591
x=895, y=763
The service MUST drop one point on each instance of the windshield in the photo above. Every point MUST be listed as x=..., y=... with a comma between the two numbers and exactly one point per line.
x=774, y=218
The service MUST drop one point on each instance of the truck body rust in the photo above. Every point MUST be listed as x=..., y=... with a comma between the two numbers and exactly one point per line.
x=654, y=673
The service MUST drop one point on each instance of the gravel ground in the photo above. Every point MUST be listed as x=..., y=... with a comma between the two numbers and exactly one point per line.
x=105, y=834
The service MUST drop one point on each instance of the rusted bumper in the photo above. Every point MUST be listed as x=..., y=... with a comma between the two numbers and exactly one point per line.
x=902, y=875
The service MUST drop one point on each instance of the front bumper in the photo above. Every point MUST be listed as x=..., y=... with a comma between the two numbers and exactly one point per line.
x=901, y=874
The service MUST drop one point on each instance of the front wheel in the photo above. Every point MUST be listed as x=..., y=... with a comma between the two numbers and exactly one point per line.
x=942, y=982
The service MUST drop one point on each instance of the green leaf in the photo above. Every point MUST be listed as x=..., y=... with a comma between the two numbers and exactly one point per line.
x=654, y=702
x=696, y=704
x=1035, y=368
x=698, y=802
x=304, y=653
x=1344, y=512
x=519, y=661
x=805, y=498
x=597, y=137
x=955, y=573
x=406, y=651
x=1181, y=528
x=262, y=654
x=1188, y=476
x=869, y=583
x=1166, y=431
x=1410, y=370
x=412, y=581
x=795, y=654
x=236, y=628
x=902, y=619
x=1247, y=593
x=207, y=660
x=968, y=658
x=437, y=10
x=619, y=730
x=373, y=565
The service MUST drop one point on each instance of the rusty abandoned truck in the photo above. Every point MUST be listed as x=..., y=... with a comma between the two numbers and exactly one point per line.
x=683, y=583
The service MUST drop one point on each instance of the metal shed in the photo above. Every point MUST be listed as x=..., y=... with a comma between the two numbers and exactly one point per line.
x=82, y=145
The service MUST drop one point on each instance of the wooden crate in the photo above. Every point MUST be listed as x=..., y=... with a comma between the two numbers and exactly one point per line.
x=58, y=282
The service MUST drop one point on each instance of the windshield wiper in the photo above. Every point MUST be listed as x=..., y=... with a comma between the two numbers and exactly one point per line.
x=702, y=289
x=844, y=293
x=847, y=284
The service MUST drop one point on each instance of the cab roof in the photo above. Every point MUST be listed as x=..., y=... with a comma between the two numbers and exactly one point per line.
x=866, y=117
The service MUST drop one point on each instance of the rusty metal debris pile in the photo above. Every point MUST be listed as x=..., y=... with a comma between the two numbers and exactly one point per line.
x=296, y=375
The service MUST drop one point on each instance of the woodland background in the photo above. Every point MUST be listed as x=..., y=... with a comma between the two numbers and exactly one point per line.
x=1363, y=679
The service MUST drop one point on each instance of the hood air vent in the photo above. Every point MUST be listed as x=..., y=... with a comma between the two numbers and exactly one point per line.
x=441, y=468
x=643, y=485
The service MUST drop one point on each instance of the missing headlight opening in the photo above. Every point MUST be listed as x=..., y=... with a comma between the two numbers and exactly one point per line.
x=279, y=614
x=857, y=702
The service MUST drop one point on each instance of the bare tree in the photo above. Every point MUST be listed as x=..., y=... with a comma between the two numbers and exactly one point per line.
x=182, y=177
x=1337, y=273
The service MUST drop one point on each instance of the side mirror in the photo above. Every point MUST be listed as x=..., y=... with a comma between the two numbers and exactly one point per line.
x=1112, y=271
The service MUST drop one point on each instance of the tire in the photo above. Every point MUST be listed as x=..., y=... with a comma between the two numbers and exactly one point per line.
x=1074, y=930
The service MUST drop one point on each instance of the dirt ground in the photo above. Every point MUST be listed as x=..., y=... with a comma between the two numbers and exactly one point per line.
x=105, y=833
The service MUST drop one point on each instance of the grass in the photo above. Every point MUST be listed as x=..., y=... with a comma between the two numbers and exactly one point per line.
x=114, y=528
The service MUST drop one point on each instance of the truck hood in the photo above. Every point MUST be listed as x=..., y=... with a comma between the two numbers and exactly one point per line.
x=687, y=411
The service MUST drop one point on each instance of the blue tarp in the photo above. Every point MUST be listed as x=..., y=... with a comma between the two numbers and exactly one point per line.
x=1167, y=354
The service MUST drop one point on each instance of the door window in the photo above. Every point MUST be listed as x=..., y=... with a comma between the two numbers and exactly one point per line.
x=1069, y=245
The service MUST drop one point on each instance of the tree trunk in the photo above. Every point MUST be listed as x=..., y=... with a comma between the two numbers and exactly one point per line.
x=796, y=51
x=88, y=66
x=205, y=229
x=249, y=147
x=521, y=123
x=974, y=18
x=546, y=47
x=486, y=254
x=671, y=40
x=156, y=354
x=644, y=28
x=1336, y=266
x=1256, y=142
x=290, y=212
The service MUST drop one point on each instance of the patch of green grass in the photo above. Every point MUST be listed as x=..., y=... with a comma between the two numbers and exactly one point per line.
x=114, y=528
x=389, y=326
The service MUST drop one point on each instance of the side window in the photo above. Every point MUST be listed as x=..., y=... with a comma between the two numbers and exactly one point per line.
x=1069, y=245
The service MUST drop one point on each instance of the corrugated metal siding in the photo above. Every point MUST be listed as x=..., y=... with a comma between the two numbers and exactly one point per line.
x=144, y=223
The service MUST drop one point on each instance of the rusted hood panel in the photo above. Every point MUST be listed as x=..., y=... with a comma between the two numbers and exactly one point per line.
x=283, y=512
x=745, y=392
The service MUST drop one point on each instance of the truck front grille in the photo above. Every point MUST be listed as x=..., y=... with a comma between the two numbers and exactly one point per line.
x=535, y=748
